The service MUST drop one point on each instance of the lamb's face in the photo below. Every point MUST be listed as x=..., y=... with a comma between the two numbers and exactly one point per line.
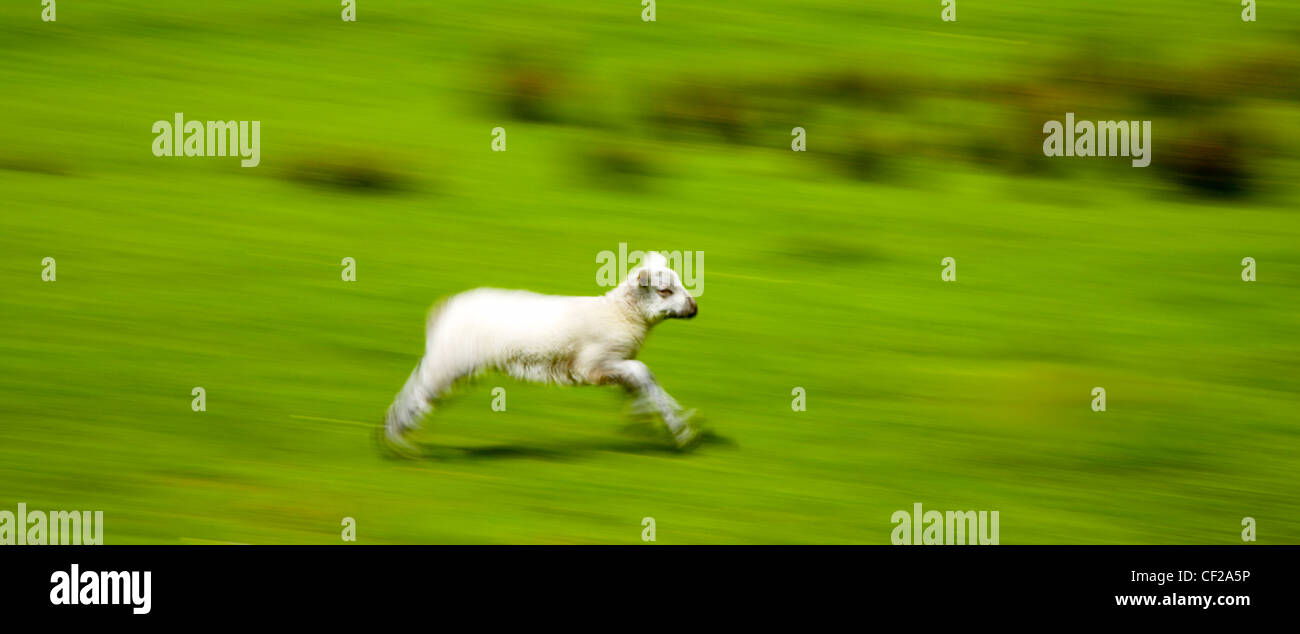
x=660, y=295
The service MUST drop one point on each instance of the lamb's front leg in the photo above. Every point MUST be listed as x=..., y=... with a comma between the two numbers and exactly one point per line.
x=637, y=377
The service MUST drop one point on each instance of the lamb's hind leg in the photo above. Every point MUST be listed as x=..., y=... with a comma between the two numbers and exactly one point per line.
x=415, y=401
x=637, y=377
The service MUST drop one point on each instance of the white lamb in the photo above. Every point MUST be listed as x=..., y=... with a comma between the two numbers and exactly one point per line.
x=549, y=339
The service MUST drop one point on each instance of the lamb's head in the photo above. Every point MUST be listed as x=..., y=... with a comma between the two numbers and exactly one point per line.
x=655, y=291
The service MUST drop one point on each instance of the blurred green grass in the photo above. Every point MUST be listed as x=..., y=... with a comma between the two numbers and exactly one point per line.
x=974, y=395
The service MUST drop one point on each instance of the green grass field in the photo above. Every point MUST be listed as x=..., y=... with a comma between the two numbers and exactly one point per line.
x=822, y=268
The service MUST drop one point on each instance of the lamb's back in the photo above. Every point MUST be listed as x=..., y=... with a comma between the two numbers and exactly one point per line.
x=530, y=335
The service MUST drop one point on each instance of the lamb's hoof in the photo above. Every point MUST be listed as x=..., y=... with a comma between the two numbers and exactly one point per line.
x=396, y=445
x=686, y=438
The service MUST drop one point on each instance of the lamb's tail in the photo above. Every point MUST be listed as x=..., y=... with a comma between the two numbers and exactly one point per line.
x=411, y=404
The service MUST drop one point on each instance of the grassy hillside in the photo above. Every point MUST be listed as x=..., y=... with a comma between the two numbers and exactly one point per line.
x=821, y=271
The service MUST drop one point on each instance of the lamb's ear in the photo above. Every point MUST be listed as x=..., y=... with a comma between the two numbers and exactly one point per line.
x=643, y=277
x=654, y=258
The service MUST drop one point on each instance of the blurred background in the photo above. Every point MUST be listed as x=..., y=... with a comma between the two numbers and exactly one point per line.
x=924, y=141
